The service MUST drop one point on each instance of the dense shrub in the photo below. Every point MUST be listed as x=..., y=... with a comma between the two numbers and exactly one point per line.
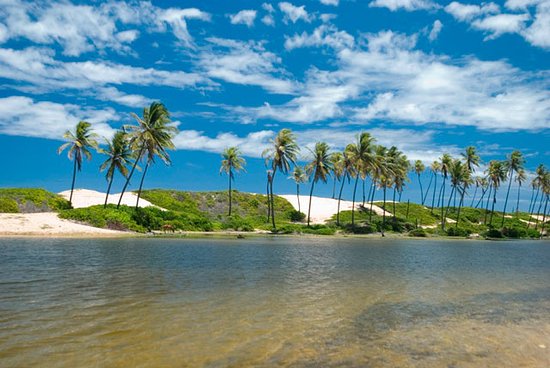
x=31, y=200
x=458, y=231
x=493, y=233
x=8, y=205
x=362, y=229
x=296, y=216
x=318, y=230
x=421, y=233
x=236, y=222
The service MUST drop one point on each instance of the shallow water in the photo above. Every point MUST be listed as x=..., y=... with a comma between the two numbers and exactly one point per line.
x=274, y=302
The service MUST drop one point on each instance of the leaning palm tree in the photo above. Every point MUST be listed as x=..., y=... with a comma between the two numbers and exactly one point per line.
x=348, y=173
x=484, y=184
x=151, y=137
x=80, y=143
x=542, y=176
x=299, y=176
x=471, y=160
x=446, y=161
x=460, y=179
x=497, y=174
x=520, y=179
x=232, y=162
x=513, y=164
x=337, y=161
x=282, y=154
x=119, y=155
x=419, y=169
x=318, y=169
x=435, y=167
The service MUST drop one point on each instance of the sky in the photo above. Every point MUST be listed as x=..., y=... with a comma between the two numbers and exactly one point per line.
x=426, y=76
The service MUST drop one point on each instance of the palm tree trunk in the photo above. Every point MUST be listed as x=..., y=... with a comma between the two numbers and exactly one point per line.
x=310, y=195
x=532, y=207
x=268, y=198
x=493, y=206
x=459, y=207
x=544, y=217
x=141, y=183
x=487, y=205
x=108, y=190
x=72, y=185
x=421, y=190
x=531, y=200
x=229, y=191
x=394, y=190
x=474, y=197
x=334, y=188
x=364, y=191
x=273, y=201
x=507, y=194
x=538, y=212
x=442, y=193
x=130, y=176
x=480, y=201
x=517, y=202
x=339, y=198
x=384, y=213
x=444, y=218
x=372, y=200
x=298, y=196
x=353, y=205
x=435, y=188
x=428, y=189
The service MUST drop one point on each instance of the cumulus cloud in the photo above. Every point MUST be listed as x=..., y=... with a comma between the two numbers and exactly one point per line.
x=499, y=24
x=330, y=2
x=22, y=116
x=538, y=33
x=408, y=5
x=294, y=13
x=246, y=63
x=251, y=145
x=324, y=35
x=466, y=12
x=245, y=17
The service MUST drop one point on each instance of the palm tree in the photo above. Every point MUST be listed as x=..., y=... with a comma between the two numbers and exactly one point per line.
x=232, y=162
x=435, y=167
x=319, y=169
x=119, y=156
x=497, y=174
x=419, y=169
x=471, y=160
x=152, y=136
x=336, y=159
x=446, y=161
x=484, y=184
x=360, y=153
x=299, y=176
x=513, y=164
x=546, y=191
x=282, y=153
x=520, y=179
x=536, y=183
x=542, y=177
x=80, y=143
x=399, y=174
x=349, y=171
x=460, y=179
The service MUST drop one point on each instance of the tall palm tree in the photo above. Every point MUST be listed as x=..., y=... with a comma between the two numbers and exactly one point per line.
x=536, y=184
x=471, y=160
x=435, y=167
x=360, y=153
x=150, y=137
x=419, y=169
x=513, y=164
x=542, y=176
x=337, y=161
x=299, y=176
x=349, y=171
x=232, y=163
x=497, y=174
x=446, y=161
x=484, y=184
x=282, y=154
x=546, y=191
x=119, y=155
x=460, y=179
x=520, y=179
x=80, y=141
x=399, y=174
x=318, y=169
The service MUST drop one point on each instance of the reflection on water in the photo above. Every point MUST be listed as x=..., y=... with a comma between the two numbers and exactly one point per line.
x=273, y=302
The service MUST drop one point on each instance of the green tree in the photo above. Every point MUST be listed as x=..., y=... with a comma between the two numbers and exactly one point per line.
x=471, y=160
x=349, y=171
x=520, y=179
x=497, y=174
x=513, y=164
x=337, y=161
x=299, y=176
x=232, y=162
x=446, y=161
x=435, y=167
x=318, y=169
x=151, y=137
x=281, y=155
x=119, y=155
x=79, y=144
x=419, y=169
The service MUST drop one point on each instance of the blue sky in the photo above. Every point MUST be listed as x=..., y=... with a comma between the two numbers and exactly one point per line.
x=429, y=77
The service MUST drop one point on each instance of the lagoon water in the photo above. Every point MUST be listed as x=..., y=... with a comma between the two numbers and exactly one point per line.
x=273, y=302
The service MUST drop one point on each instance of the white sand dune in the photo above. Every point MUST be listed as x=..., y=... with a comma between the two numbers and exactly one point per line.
x=47, y=224
x=86, y=198
x=322, y=209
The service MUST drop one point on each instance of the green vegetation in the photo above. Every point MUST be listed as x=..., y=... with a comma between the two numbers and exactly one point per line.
x=28, y=200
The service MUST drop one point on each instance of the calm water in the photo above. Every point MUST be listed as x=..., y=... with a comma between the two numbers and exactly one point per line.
x=273, y=302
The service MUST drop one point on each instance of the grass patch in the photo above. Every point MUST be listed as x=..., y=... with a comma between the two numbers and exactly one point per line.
x=30, y=200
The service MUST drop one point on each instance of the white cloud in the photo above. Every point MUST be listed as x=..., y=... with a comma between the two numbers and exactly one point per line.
x=268, y=20
x=251, y=145
x=22, y=116
x=409, y=5
x=466, y=12
x=330, y=2
x=538, y=33
x=294, y=13
x=36, y=69
x=83, y=28
x=114, y=95
x=324, y=35
x=245, y=17
x=501, y=23
x=246, y=63
x=521, y=4
x=436, y=29
x=268, y=7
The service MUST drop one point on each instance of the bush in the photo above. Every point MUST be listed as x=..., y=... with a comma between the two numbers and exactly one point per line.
x=8, y=205
x=421, y=233
x=237, y=223
x=493, y=233
x=296, y=216
x=364, y=229
x=454, y=231
x=31, y=200
x=318, y=230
